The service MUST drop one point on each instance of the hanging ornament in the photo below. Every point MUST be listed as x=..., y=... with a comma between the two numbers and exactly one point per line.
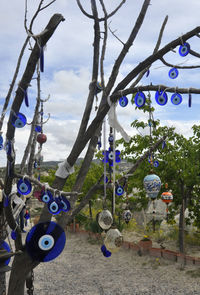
x=24, y=187
x=18, y=120
x=161, y=97
x=46, y=197
x=184, y=49
x=45, y=241
x=105, y=219
x=42, y=59
x=173, y=73
x=167, y=197
x=27, y=215
x=155, y=164
x=5, y=246
x=147, y=73
x=123, y=101
x=38, y=128
x=140, y=99
x=176, y=98
x=113, y=240
x=110, y=157
x=99, y=88
x=190, y=100
x=127, y=215
x=41, y=138
x=1, y=142
x=105, y=252
x=152, y=185
x=54, y=206
x=65, y=204
x=13, y=235
x=26, y=98
x=119, y=190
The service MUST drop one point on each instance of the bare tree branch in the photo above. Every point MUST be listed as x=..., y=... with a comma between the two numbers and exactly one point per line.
x=177, y=66
x=83, y=11
x=113, y=33
x=114, y=11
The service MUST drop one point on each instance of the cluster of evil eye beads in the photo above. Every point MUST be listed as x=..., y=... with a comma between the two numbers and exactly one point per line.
x=161, y=96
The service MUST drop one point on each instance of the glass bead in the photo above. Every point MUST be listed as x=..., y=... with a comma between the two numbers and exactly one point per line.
x=140, y=99
x=113, y=240
x=184, y=49
x=105, y=219
x=123, y=101
x=173, y=73
x=161, y=97
x=176, y=98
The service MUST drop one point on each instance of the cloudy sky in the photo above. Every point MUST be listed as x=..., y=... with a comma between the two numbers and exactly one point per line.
x=68, y=62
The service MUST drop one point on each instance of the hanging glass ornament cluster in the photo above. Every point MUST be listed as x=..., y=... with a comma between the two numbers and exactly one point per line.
x=167, y=198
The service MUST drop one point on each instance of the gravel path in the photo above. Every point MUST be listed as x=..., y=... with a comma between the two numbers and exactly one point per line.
x=82, y=270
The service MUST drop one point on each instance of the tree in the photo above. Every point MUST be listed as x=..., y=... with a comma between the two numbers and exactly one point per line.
x=89, y=131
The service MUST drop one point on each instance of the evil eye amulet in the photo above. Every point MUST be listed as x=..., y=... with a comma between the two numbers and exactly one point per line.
x=161, y=97
x=184, y=49
x=65, y=204
x=176, y=98
x=119, y=190
x=5, y=246
x=45, y=241
x=19, y=120
x=1, y=139
x=105, y=252
x=54, y=206
x=123, y=101
x=140, y=99
x=24, y=187
x=155, y=164
x=38, y=128
x=46, y=197
x=173, y=73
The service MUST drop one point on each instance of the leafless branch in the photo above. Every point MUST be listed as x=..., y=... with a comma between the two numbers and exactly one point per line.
x=104, y=44
x=83, y=11
x=47, y=5
x=114, y=11
x=194, y=53
x=178, y=66
x=113, y=33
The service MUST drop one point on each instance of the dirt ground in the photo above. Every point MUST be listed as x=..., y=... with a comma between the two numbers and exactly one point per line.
x=81, y=269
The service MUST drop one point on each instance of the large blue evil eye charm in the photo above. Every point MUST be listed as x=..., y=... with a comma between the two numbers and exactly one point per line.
x=54, y=206
x=119, y=190
x=65, y=204
x=46, y=196
x=19, y=120
x=173, y=73
x=45, y=241
x=161, y=97
x=176, y=98
x=24, y=187
x=140, y=99
x=105, y=252
x=184, y=49
x=123, y=101
x=5, y=246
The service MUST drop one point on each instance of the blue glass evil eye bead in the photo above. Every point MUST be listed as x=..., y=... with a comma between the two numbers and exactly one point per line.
x=65, y=204
x=161, y=97
x=105, y=252
x=140, y=99
x=184, y=49
x=38, y=128
x=5, y=246
x=54, y=207
x=123, y=101
x=99, y=88
x=19, y=120
x=119, y=190
x=155, y=164
x=190, y=100
x=45, y=241
x=13, y=235
x=24, y=187
x=173, y=73
x=46, y=197
x=1, y=139
x=176, y=98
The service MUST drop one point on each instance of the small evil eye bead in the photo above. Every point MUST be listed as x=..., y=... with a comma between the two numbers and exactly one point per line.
x=119, y=190
x=184, y=49
x=111, y=156
x=176, y=98
x=161, y=97
x=24, y=187
x=110, y=138
x=54, y=207
x=123, y=101
x=173, y=73
x=190, y=100
x=140, y=99
x=46, y=197
x=38, y=128
x=155, y=164
x=19, y=120
x=65, y=204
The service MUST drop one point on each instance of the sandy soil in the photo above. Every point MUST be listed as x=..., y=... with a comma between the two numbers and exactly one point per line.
x=82, y=269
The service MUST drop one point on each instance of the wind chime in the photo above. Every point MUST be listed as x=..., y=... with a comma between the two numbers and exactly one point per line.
x=167, y=198
x=113, y=238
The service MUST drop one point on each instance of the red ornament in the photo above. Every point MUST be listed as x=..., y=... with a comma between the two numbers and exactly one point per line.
x=41, y=138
